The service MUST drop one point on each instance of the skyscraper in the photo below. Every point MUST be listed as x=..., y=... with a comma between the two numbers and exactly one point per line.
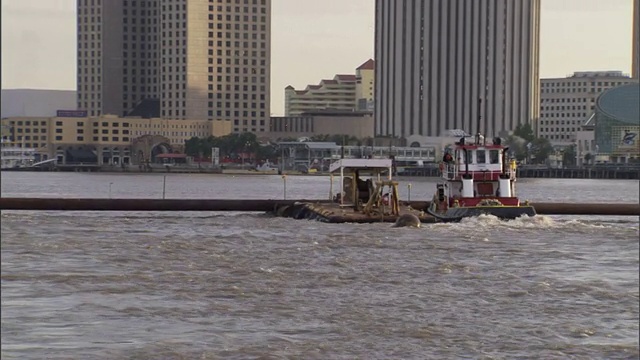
x=635, y=56
x=436, y=59
x=198, y=59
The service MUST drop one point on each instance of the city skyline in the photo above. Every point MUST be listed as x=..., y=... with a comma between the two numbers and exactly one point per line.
x=570, y=31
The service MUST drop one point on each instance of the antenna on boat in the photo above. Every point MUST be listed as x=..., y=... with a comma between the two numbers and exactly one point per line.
x=479, y=121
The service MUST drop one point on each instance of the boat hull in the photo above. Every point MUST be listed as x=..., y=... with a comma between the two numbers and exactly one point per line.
x=501, y=212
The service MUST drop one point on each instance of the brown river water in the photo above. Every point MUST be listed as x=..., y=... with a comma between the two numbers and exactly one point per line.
x=206, y=285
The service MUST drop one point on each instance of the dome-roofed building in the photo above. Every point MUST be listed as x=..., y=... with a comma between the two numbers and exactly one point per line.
x=617, y=122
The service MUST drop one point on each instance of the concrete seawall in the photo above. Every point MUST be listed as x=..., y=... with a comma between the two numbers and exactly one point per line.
x=242, y=205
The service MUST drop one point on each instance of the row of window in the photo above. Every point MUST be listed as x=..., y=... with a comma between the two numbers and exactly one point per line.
x=572, y=107
x=567, y=91
x=210, y=113
x=558, y=137
x=34, y=145
x=560, y=122
x=59, y=138
x=85, y=19
x=86, y=2
x=86, y=28
x=28, y=123
x=104, y=131
x=563, y=115
x=545, y=84
x=35, y=138
x=568, y=100
x=29, y=130
x=546, y=130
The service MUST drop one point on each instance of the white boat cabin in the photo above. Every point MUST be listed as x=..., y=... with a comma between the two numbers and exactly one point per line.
x=474, y=172
x=353, y=188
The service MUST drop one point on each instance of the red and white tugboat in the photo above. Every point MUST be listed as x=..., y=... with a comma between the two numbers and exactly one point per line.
x=477, y=180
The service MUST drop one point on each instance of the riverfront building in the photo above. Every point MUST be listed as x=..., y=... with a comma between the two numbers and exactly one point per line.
x=566, y=103
x=436, y=59
x=195, y=59
x=617, y=123
x=106, y=139
x=349, y=123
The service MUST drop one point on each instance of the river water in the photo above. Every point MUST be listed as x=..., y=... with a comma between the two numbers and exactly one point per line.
x=205, y=285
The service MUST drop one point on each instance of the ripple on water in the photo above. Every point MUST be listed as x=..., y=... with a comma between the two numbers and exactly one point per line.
x=196, y=285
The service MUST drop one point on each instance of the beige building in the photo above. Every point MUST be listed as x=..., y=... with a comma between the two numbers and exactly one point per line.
x=358, y=124
x=196, y=59
x=566, y=103
x=343, y=93
x=365, y=75
x=108, y=139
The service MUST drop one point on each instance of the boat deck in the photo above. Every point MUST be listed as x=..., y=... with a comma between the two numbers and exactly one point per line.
x=335, y=214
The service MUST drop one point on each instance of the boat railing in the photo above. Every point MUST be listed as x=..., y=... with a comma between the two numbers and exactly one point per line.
x=451, y=171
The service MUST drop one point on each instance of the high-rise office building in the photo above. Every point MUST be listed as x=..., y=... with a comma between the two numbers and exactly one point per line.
x=196, y=59
x=436, y=59
x=635, y=56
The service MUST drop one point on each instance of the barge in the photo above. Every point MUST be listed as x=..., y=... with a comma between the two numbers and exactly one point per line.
x=367, y=194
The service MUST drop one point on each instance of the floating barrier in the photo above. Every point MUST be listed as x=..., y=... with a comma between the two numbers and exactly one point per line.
x=271, y=206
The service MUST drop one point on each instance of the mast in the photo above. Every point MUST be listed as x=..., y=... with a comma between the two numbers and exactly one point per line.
x=479, y=121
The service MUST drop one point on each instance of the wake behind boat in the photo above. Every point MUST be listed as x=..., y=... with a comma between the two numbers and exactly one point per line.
x=477, y=179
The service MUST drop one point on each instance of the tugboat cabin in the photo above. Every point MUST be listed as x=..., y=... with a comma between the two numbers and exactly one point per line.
x=475, y=173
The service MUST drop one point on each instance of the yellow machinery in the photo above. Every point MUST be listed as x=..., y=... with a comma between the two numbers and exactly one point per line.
x=379, y=199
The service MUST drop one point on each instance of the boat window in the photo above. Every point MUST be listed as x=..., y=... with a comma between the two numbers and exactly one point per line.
x=481, y=155
x=494, y=156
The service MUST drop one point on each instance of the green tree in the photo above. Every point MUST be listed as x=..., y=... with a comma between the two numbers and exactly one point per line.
x=346, y=139
x=587, y=158
x=569, y=156
x=267, y=152
x=540, y=150
x=524, y=131
x=320, y=138
x=517, y=146
x=192, y=146
x=287, y=139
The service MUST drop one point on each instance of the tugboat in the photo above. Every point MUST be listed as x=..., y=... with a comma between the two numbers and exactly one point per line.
x=476, y=179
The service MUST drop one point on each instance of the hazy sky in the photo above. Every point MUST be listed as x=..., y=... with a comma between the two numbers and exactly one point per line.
x=314, y=39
